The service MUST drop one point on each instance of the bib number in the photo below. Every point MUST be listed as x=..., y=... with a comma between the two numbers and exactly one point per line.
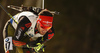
x=8, y=44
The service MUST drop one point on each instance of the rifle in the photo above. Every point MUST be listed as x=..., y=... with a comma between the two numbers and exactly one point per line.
x=22, y=8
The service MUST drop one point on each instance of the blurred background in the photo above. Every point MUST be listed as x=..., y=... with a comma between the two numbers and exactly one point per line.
x=77, y=27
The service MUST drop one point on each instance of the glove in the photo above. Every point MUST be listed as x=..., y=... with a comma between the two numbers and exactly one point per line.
x=42, y=49
x=39, y=47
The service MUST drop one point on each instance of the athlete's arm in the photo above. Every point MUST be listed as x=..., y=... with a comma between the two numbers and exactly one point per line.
x=22, y=27
x=47, y=36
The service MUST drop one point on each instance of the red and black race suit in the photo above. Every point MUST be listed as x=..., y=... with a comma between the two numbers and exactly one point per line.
x=23, y=25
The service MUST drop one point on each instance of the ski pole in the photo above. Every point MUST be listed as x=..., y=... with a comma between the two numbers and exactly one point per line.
x=8, y=13
x=42, y=4
x=11, y=16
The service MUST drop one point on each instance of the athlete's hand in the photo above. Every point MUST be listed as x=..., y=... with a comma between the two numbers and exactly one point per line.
x=39, y=47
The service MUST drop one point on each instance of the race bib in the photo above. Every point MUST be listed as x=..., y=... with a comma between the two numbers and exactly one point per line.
x=8, y=44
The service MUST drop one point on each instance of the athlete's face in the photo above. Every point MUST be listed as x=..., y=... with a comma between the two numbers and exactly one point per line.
x=41, y=29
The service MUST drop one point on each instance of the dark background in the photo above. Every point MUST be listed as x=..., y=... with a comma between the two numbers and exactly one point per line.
x=77, y=28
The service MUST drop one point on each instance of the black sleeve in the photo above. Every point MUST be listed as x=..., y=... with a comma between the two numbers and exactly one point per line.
x=22, y=27
x=47, y=36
